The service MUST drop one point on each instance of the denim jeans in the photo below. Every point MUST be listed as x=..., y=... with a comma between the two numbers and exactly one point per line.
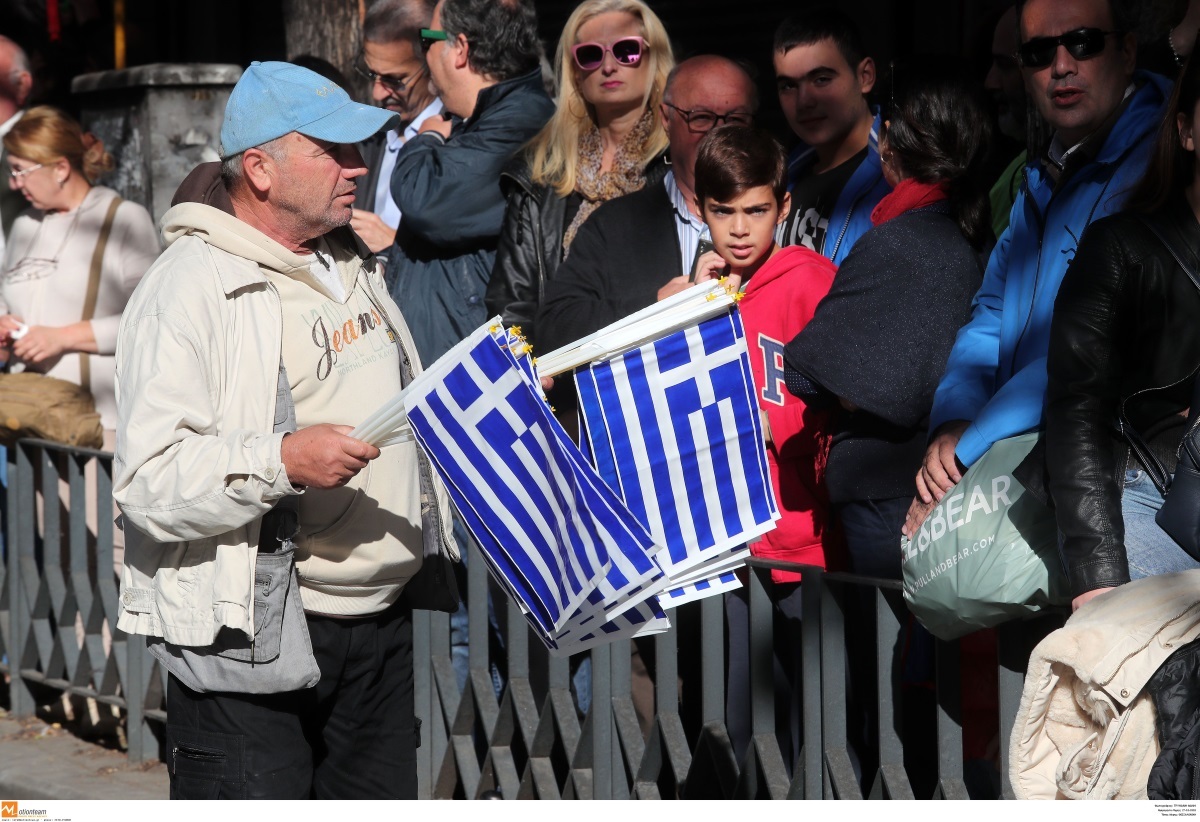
x=1149, y=549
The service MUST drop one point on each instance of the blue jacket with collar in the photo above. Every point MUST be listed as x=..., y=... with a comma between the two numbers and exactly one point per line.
x=851, y=215
x=996, y=375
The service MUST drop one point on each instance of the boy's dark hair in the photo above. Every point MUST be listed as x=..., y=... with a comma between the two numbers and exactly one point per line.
x=733, y=159
x=502, y=34
x=812, y=27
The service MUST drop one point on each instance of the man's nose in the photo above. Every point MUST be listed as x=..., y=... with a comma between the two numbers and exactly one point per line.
x=740, y=226
x=1064, y=63
x=992, y=81
x=379, y=92
x=352, y=162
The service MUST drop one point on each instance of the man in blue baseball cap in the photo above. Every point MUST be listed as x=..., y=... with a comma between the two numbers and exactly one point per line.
x=264, y=565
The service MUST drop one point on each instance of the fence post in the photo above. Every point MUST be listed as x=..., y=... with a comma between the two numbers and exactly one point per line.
x=22, y=511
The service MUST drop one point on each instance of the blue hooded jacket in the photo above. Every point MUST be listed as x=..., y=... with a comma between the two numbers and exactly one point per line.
x=851, y=215
x=996, y=375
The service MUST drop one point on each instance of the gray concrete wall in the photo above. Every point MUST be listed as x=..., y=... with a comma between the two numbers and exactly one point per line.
x=159, y=121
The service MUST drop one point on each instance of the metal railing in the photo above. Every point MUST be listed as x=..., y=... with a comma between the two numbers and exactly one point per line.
x=529, y=739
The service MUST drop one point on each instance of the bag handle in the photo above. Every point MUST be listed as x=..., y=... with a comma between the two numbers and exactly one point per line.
x=93, y=287
x=1154, y=468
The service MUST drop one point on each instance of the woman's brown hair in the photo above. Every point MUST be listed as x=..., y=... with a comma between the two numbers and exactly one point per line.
x=46, y=134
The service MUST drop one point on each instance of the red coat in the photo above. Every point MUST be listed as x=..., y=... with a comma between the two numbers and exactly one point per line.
x=778, y=302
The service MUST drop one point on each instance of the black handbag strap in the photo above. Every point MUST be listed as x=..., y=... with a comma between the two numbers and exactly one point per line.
x=1154, y=468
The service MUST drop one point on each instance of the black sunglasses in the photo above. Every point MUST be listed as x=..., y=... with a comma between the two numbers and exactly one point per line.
x=1081, y=43
x=391, y=82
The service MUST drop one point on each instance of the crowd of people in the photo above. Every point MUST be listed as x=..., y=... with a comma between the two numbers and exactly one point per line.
x=911, y=294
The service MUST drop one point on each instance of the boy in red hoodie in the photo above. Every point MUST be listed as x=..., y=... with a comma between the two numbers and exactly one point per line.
x=741, y=189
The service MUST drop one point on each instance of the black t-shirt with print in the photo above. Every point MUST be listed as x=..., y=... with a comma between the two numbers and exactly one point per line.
x=813, y=199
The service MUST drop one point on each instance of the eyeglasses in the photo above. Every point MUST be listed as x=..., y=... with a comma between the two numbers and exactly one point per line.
x=18, y=174
x=390, y=82
x=1081, y=43
x=627, y=51
x=431, y=36
x=700, y=121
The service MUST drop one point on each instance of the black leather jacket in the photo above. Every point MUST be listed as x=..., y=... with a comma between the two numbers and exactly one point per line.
x=530, y=249
x=1125, y=340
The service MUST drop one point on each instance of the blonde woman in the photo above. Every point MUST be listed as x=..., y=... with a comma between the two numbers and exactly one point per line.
x=604, y=140
x=49, y=257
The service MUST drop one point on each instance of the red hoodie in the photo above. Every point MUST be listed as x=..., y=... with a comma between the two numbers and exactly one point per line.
x=778, y=302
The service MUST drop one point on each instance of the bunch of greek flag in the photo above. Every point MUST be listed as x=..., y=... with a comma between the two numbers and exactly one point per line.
x=593, y=550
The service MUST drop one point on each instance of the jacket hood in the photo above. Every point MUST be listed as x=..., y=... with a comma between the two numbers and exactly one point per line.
x=785, y=261
x=228, y=233
x=1142, y=116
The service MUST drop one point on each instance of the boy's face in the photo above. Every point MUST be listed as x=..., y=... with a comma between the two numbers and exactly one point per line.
x=743, y=230
x=822, y=96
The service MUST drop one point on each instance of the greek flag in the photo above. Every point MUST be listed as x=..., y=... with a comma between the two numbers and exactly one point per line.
x=548, y=527
x=674, y=429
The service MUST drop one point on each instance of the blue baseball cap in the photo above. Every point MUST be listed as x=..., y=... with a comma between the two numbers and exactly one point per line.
x=274, y=98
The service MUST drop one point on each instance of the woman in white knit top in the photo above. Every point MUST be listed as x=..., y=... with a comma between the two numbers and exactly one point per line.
x=49, y=256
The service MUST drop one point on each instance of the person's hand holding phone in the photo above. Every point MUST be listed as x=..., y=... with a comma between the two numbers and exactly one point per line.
x=711, y=266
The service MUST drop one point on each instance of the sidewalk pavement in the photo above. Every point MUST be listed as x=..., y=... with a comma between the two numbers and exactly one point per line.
x=40, y=761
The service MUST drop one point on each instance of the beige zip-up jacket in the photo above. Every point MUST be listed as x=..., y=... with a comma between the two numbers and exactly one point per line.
x=1085, y=727
x=197, y=464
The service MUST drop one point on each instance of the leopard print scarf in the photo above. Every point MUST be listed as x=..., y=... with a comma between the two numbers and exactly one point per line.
x=626, y=175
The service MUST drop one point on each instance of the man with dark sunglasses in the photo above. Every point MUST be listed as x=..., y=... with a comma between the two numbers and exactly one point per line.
x=1077, y=57
x=393, y=62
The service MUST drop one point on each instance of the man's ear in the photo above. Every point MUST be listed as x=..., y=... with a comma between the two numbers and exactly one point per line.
x=1129, y=47
x=24, y=86
x=461, y=49
x=785, y=207
x=258, y=170
x=866, y=75
x=662, y=113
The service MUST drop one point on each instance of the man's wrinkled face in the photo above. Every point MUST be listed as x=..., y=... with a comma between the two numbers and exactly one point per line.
x=316, y=183
x=721, y=90
x=401, y=82
x=1076, y=95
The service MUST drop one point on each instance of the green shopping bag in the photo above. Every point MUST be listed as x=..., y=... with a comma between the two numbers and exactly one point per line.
x=987, y=553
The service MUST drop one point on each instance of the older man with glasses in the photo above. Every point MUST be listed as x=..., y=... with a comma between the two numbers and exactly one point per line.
x=393, y=62
x=642, y=247
x=1077, y=57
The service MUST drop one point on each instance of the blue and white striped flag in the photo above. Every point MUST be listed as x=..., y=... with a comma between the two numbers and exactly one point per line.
x=546, y=524
x=674, y=428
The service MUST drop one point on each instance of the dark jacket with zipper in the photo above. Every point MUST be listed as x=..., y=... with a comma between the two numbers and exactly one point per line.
x=448, y=192
x=1124, y=344
x=1175, y=689
x=530, y=249
x=622, y=255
